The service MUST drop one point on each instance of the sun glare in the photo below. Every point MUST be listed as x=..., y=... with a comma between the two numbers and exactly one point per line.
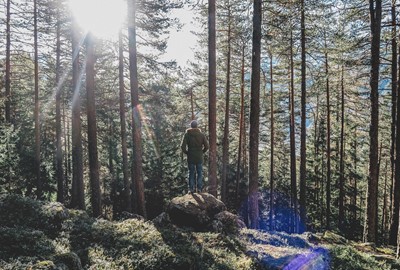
x=103, y=18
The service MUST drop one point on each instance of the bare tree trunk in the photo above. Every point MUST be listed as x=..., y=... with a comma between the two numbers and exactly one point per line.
x=92, y=127
x=136, y=118
x=212, y=99
x=395, y=198
x=303, y=136
x=78, y=188
x=39, y=183
x=394, y=94
x=59, y=152
x=8, y=66
x=395, y=181
x=355, y=179
x=255, y=116
x=341, y=176
x=293, y=180
x=384, y=208
x=271, y=171
x=241, y=129
x=225, y=142
x=122, y=116
x=328, y=142
x=371, y=215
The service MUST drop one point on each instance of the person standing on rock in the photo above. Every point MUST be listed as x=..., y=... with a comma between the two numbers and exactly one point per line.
x=194, y=145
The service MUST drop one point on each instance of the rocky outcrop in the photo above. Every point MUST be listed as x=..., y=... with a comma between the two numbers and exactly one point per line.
x=202, y=212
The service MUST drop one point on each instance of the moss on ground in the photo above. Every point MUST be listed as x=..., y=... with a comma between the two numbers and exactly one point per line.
x=36, y=235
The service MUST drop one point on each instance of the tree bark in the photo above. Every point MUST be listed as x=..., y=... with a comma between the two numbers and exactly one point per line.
x=225, y=142
x=59, y=151
x=303, y=136
x=371, y=228
x=92, y=127
x=39, y=191
x=78, y=187
x=394, y=74
x=255, y=116
x=212, y=99
x=271, y=171
x=8, y=66
x=293, y=180
x=122, y=116
x=328, y=142
x=241, y=129
x=395, y=182
x=341, y=170
x=137, y=179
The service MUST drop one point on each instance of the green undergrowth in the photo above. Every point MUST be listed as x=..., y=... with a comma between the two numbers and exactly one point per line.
x=37, y=235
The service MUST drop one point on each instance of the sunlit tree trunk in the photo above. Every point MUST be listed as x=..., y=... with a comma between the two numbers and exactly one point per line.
x=124, y=148
x=39, y=183
x=78, y=188
x=225, y=142
x=137, y=178
x=92, y=127
x=212, y=100
x=303, y=124
x=59, y=151
x=255, y=116
x=371, y=215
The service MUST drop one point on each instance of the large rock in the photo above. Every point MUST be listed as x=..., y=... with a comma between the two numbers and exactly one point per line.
x=195, y=210
x=228, y=223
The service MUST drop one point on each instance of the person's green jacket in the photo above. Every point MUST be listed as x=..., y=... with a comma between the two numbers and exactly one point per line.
x=194, y=145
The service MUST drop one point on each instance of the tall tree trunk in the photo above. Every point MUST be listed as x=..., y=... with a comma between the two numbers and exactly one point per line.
x=212, y=99
x=384, y=208
x=341, y=170
x=293, y=180
x=92, y=127
x=328, y=142
x=255, y=115
x=39, y=183
x=136, y=118
x=271, y=171
x=122, y=116
x=8, y=66
x=395, y=182
x=303, y=211
x=371, y=228
x=355, y=178
x=78, y=187
x=241, y=129
x=225, y=142
x=395, y=201
x=59, y=151
x=394, y=94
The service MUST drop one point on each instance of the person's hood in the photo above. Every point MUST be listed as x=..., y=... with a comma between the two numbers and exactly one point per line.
x=193, y=130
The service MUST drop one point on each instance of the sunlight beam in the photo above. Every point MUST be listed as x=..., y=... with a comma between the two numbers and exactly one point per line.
x=103, y=18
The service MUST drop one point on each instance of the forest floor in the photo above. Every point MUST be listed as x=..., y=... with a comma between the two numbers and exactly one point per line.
x=37, y=235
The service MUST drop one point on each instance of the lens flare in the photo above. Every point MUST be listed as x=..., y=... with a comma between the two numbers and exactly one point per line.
x=103, y=18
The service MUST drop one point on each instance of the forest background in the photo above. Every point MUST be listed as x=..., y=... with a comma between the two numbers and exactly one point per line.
x=307, y=139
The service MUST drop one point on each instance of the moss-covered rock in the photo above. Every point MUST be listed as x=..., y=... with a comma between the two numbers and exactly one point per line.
x=195, y=210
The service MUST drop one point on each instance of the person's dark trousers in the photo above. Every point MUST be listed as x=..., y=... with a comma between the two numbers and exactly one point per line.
x=195, y=169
